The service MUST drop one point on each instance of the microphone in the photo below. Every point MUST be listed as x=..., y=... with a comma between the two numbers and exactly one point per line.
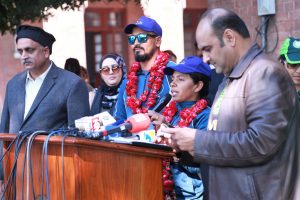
x=138, y=122
x=162, y=103
x=118, y=122
x=133, y=124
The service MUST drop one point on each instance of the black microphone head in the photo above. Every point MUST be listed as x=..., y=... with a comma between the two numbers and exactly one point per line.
x=162, y=103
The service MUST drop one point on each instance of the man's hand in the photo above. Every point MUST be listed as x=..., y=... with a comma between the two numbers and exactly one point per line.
x=156, y=118
x=182, y=138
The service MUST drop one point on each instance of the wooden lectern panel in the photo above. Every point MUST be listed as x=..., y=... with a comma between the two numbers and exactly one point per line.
x=92, y=170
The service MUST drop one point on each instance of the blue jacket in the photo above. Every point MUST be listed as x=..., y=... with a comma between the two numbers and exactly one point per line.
x=188, y=184
x=200, y=122
x=122, y=111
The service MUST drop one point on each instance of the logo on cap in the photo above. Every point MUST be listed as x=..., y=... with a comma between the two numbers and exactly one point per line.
x=138, y=22
x=296, y=44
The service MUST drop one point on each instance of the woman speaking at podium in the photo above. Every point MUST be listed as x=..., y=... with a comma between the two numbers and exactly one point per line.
x=188, y=108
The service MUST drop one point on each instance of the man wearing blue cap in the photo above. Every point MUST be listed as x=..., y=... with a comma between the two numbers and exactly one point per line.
x=43, y=96
x=146, y=83
x=290, y=58
x=188, y=108
x=251, y=148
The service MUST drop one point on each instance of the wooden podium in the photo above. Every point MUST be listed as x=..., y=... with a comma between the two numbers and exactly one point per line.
x=92, y=170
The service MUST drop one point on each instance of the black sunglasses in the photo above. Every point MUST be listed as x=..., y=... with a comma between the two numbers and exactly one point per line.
x=141, y=37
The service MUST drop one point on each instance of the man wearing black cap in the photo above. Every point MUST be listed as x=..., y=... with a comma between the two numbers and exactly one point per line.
x=43, y=96
x=146, y=83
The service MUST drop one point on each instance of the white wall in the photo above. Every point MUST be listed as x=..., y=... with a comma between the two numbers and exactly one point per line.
x=68, y=29
x=169, y=14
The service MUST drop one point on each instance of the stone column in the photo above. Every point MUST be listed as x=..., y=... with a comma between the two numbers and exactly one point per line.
x=169, y=14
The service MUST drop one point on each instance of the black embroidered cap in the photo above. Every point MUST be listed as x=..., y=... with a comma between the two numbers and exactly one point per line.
x=37, y=34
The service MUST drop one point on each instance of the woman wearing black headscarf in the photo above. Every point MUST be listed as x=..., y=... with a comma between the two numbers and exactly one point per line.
x=112, y=72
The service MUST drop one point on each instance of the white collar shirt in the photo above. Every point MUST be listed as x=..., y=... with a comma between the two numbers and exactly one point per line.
x=32, y=87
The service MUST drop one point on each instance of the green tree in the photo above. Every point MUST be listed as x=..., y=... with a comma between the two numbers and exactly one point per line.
x=13, y=12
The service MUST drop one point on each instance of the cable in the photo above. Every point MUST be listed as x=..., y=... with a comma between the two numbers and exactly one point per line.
x=10, y=185
x=259, y=31
x=45, y=159
x=64, y=134
x=62, y=163
x=31, y=164
x=45, y=150
x=30, y=167
x=277, y=36
x=17, y=151
x=8, y=149
x=20, y=138
x=11, y=180
x=28, y=163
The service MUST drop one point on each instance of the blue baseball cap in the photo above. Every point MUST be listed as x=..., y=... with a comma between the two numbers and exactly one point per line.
x=190, y=64
x=146, y=24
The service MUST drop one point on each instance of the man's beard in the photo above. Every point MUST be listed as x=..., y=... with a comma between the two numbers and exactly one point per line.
x=143, y=57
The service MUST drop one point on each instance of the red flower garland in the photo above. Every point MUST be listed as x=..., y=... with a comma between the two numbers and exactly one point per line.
x=187, y=115
x=154, y=84
x=168, y=184
x=150, y=95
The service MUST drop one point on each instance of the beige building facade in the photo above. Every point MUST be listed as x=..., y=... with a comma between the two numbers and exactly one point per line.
x=97, y=29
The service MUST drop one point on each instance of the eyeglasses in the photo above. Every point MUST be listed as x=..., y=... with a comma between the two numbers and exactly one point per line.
x=291, y=66
x=141, y=37
x=107, y=69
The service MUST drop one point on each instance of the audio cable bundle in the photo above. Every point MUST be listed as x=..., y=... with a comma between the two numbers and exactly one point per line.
x=25, y=139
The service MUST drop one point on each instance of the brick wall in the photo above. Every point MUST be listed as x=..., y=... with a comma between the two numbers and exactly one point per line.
x=9, y=65
x=285, y=23
x=132, y=17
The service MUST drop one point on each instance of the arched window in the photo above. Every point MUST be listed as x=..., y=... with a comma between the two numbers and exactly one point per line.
x=104, y=34
x=190, y=21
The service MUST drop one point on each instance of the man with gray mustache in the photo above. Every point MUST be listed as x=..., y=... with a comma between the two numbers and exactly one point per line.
x=43, y=96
